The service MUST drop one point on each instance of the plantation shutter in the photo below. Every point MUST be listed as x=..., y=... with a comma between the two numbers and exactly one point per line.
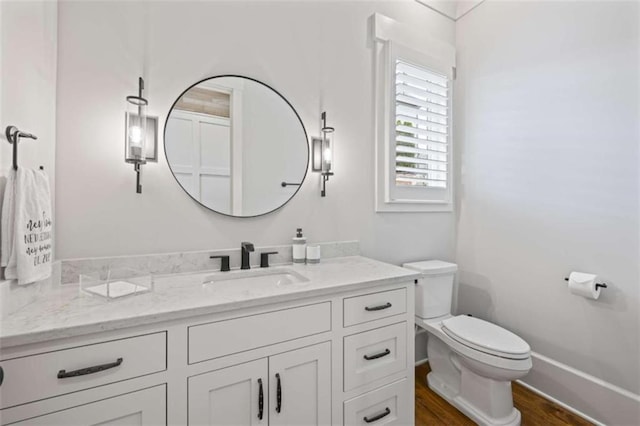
x=422, y=131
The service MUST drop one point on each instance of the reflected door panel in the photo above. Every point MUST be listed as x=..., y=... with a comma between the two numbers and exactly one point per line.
x=200, y=148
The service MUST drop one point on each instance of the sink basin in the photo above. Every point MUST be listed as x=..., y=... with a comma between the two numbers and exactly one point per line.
x=278, y=277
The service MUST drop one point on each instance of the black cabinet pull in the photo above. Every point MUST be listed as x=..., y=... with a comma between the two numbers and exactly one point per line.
x=278, y=394
x=62, y=374
x=377, y=417
x=376, y=356
x=1, y=375
x=260, y=400
x=378, y=308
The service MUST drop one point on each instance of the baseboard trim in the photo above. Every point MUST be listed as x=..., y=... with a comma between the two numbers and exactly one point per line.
x=589, y=397
x=560, y=403
x=419, y=362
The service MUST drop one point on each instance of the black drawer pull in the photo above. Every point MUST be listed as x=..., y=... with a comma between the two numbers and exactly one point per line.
x=62, y=374
x=1, y=375
x=378, y=308
x=260, y=400
x=377, y=417
x=376, y=356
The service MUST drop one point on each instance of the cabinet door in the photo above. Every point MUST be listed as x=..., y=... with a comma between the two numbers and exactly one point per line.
x=300, y=384
x=231, y=396
x=142, y=408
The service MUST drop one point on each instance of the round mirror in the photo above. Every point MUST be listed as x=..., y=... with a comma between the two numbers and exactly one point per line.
x=236, y=146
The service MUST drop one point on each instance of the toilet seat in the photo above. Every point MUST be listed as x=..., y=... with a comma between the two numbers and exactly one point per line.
x=485, y=337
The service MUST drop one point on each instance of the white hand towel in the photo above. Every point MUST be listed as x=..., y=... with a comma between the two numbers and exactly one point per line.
x=33, y=224
x=7, y=223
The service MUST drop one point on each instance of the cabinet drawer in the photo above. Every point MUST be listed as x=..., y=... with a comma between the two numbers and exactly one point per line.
x=144, y=408
x=374, y=354
x=216, y=339
x=374, y=306
x=388, y=404
x=40, y=376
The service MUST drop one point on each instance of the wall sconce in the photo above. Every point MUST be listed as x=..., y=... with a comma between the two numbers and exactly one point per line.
x=141, y=134
x=322, y=153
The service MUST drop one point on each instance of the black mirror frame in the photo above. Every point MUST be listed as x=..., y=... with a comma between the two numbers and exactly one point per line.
x=306, y=136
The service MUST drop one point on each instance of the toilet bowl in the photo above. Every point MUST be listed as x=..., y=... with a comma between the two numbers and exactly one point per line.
x=472, y=361
x=473, y=377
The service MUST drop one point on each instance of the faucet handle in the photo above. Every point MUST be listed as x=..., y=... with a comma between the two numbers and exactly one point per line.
x=264, y=258
x=224, y=262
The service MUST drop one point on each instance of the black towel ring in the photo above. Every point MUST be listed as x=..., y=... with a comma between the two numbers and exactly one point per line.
x=13, y=135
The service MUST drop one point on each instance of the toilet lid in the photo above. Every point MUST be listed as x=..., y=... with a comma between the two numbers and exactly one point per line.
x=486, y=337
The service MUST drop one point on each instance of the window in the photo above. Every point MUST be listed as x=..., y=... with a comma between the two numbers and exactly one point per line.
x=413, y=131
x=422, y=127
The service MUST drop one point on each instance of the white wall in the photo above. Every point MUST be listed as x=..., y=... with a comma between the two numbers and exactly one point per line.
x=28, y=81
x=547, y=120
x=28, y=40
x=317, y=54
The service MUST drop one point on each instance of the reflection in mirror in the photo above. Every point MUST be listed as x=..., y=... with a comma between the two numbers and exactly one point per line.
x=232, y=141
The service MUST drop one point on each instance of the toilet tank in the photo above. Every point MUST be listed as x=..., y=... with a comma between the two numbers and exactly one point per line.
x=434, y=291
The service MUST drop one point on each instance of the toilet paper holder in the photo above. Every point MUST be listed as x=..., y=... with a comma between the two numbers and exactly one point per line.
x=598, y=285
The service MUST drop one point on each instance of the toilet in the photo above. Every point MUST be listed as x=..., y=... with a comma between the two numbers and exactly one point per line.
x=472, y=361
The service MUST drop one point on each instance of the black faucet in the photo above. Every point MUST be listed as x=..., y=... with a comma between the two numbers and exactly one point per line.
x=246, y=249
x=224, y=262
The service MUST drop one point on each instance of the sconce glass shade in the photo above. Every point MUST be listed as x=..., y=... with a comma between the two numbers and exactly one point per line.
x=327, y=149
x=136, y=130
x=322, y=153
x=322, y=149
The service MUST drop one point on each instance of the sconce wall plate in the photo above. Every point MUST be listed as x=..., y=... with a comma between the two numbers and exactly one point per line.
x=316, y=154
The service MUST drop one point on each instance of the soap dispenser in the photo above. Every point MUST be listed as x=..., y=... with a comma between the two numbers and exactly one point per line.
x=299, y=247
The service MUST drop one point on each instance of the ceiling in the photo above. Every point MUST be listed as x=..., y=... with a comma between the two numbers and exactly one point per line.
x=453, y=9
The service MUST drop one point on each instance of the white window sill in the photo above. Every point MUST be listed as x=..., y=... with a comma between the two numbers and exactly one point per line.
x=414, y=207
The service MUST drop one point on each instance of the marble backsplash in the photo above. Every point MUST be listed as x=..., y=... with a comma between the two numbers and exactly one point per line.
x=172, y=263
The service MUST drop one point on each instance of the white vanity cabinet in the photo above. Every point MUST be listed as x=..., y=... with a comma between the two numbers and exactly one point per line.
x=342, y=356
x=292, y=388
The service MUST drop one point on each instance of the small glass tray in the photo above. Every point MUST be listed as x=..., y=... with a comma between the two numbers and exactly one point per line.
x=116, y=283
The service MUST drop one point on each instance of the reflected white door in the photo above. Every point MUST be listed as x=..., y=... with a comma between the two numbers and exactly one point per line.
x=230, y=396
x=304, y=377
x=199, y=146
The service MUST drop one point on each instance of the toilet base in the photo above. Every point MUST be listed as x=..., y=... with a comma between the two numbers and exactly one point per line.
x=457, y=400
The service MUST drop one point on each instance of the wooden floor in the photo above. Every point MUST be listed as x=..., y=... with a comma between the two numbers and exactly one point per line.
x=536, y=411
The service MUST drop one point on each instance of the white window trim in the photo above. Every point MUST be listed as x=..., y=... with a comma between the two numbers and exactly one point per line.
x=393, y=39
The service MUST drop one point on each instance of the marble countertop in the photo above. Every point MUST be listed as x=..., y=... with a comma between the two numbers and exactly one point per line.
x=64, y=312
